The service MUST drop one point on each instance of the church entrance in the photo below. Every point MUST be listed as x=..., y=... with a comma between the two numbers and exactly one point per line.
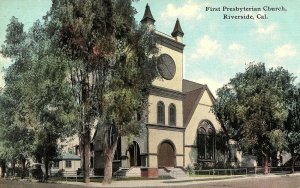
x=134, y=154
x=166, y=155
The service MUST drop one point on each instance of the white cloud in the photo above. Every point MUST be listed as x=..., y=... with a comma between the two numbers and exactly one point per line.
x=236, y=47
x=213, y=84
x=262, y=31
x=190, y=10
x=206, y=47
x=284, y=51
x=235, y=55
x=281, y=52
x=267, y=30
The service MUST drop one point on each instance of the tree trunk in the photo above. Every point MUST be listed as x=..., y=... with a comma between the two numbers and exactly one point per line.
x=294, y=158
x=293, y=166
x=85, y=139
x=266, y=164
x=46, y=168
x=86, y=156
x=109, y=153
x=23, y=161
x=3, y=168
x=84, y=147
x=13, y=168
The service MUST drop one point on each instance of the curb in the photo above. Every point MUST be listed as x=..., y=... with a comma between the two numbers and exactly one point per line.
x=176, y=182
x=165, y=183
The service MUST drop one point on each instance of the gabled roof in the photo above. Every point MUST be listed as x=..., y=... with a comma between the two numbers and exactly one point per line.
x=192, y=94
x=188, y=86
x=177, y=31
x=148, y=16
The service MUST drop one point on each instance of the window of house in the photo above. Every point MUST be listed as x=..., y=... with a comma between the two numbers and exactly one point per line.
x=56, y=164
x=68, y=164
x=172, y=114
x=160, y=113
x=206, y=141
x=77, y=150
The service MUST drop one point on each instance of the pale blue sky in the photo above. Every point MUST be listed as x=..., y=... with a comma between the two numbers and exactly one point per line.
x=216, y=49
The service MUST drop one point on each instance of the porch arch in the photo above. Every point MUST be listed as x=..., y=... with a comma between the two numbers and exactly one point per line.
x=134, y=154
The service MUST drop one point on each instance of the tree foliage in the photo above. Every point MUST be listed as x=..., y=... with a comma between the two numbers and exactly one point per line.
x=87, y=62
x=17, y=132
x=36, y=107
x=253, y=107
x=292, y=126
x=110, y=66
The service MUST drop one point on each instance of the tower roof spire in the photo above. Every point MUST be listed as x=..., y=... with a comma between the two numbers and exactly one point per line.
x=177, y=31
x=148, y=18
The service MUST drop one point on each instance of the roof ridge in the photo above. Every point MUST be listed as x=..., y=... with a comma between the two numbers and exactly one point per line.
x=194, y=82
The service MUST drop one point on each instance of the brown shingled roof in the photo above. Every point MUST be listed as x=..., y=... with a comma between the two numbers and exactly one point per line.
x=188, y=86
x=192, y=94
x=190, y=103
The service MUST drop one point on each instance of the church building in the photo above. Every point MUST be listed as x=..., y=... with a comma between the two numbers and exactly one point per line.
x=181, y=127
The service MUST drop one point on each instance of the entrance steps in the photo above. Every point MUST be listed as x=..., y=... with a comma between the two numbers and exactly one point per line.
x=134, y=172
x=128, y=172
x=173, y=172
x=120, y=173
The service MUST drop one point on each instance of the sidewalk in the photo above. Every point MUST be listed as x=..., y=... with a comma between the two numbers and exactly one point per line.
x=175, y=182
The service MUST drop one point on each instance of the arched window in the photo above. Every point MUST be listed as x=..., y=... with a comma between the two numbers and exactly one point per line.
x=160, y=113
x=172, y=114
x=206, y=141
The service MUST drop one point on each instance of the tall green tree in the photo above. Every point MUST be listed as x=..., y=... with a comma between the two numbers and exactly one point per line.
x=16, y=125
x=125, y=99
x=110, y=68
x=54, y=105
x=292, y=126
x=253, y=107
x=37, y=104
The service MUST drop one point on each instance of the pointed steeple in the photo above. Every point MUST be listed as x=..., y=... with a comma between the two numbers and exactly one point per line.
x=177, y=31
x=147, y=18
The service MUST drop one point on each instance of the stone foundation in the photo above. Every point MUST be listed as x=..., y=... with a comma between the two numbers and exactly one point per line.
x=149, y=172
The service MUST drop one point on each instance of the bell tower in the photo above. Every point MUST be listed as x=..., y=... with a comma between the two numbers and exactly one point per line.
x=165, y=109
x=170, y=61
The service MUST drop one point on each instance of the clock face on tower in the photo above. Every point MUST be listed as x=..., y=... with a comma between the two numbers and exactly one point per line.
x=166, y=66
